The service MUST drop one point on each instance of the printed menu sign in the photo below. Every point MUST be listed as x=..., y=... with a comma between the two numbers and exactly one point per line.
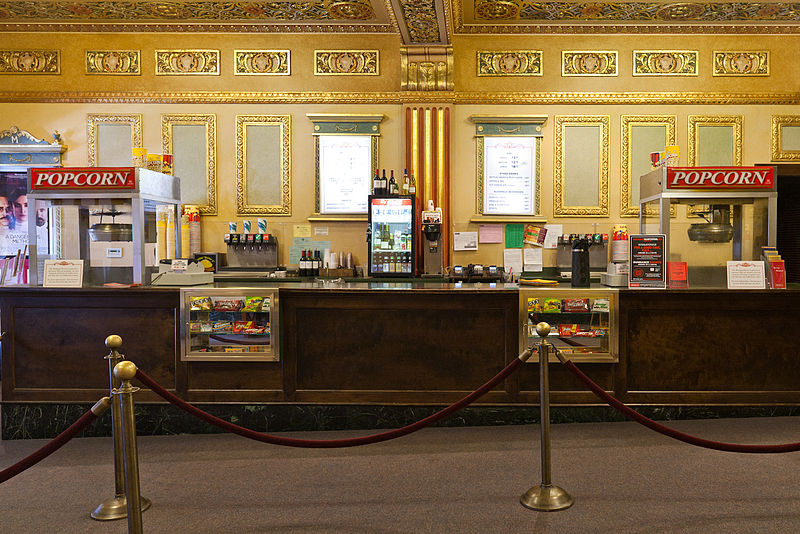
x=746, y=275
x=345, y=170
x=647, y=261
x=508, y=178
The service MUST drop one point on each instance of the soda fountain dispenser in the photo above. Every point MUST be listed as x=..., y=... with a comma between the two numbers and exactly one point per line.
x=432, y=253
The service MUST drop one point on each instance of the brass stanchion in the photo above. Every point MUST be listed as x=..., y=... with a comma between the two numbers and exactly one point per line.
x=115, y=507
x=125, y=371
x=545, y=497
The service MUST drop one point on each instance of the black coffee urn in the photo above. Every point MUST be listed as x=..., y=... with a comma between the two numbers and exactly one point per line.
x=580, y=262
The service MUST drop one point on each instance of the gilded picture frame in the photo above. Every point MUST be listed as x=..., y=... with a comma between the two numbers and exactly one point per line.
x=560, y=206
x=94, y=125
x=629, y=206
x=204, y=195
x=280, y=126
x=779, y=153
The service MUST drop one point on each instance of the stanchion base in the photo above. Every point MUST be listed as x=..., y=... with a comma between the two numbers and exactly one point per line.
x=116, y=508
x=546, y=499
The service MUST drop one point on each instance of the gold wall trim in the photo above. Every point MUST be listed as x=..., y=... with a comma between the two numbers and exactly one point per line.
x=778, y=122
x=113, y=62
x=261, y=62
x=411, y=97
x=187, y=62
x=601, y=209
x=589, y=63
x=665, y=62
x=210, y=121
x=426, y=68
x=509, y=63
x=628, y=206
x=169, y=27
x=93, y=119
x=346, y=63
x=242, y=207
x=741, y=63
x=734, y=121
x=30, y=62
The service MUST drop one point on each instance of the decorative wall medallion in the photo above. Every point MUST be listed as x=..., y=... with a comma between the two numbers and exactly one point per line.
x=180, y=62
x=261, y=62
x=510, y=63
x=346, y=62
x=426, y=68
x=497, y=9
x=665, y=62
x=588, y=63
x=113, y=62
x=741, y=63
x=30, y=62
x=350, y=9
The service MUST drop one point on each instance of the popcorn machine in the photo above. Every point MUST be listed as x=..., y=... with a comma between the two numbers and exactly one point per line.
x=107, y=218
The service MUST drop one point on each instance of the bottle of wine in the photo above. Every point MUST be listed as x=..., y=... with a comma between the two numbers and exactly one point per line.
x=405, y=182
x=412, y=185
x=302, y=267
x=376, y=183
x=384, y=183
x=317, y=262
x=384, y=237
x=392, y=185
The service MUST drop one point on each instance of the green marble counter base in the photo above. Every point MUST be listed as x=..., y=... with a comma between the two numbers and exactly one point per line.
x=45, y=421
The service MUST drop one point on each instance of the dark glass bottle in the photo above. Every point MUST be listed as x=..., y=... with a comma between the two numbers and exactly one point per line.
x=302, y=269
x=392, y=185
x=376, y=183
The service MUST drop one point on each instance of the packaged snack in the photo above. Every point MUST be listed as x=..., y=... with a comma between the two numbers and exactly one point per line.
x=205, y=328
x=600, y=305
x=253, y=304
x=534, y=305
x=234, y=349
x=200, y=303
x=551, y=306
x=238, y=326
x=585, y=333
x=575, y=305
x=567, y=330
x=227, y=304
x=222, y=326
x=194, y=327
x=255, y=330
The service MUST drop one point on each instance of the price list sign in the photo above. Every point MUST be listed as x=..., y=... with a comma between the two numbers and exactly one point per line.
x=647, y=261
x=345, y=169
x=508, y=175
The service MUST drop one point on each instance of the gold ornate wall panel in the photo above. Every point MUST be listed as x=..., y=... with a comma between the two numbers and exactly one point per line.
x=665, y=62
x=197, y=154
x=94, y=123
x=589, y=63
x=629, y=202
x=731, y=122
x=510, y=63
x=781, y=149
x=279, y=153
x=187, y=62
x=741, y=63
x=426, y=68
x=560, y=207
x=421, y=21
x=113, y=62
x=350, y=9
x=30, y=62
x=346, y=63
x=261, y=63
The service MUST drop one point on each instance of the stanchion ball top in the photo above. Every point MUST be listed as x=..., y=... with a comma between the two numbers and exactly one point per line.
x=125, y=370
x=113, y=342
x=543, y=329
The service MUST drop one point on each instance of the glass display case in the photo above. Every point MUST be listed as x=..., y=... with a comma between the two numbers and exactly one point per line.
x=239, y=324
x=583, y=322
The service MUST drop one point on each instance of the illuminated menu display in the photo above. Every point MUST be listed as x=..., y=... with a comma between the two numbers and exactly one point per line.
x=508, y=175
x=345, y=173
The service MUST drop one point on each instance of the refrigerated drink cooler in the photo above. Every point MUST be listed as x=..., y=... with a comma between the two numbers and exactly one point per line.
x=391, y=236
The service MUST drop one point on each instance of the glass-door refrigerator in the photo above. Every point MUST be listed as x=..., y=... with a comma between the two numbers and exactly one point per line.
x=391, y=243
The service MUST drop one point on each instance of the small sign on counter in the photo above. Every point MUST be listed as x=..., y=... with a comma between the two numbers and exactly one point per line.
x=63, y=273
x=647, y=257
x=746, y=275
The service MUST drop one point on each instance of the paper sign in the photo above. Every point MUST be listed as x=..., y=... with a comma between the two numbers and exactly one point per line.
x=321, y=230
x=678, y=277
x=553, y=231
x=512, y=260
x=302, y=230
x=535, y=235
x=490, y=233
x=465, y=240
x=532, y=259
x=746, y=275
x=777, y=274
x=646, y=253
x=63, y=273
x=514, y=235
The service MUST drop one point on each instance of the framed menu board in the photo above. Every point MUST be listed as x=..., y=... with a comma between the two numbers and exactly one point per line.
x=345, y=173
x=509, y=178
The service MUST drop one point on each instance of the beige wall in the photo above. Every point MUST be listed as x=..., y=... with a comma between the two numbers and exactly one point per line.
x=303, y=93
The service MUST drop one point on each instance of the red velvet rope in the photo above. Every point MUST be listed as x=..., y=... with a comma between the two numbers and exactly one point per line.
x=686, y=438
x=49, y=448
x=333, y=443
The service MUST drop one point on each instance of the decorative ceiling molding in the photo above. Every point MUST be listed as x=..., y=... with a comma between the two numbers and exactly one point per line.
x=426, y=68
x=402, y=97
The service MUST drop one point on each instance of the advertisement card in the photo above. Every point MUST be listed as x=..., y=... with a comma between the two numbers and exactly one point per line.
x=678, y=277
x=746, y=275
x=647, y=261
x=777, y=274
x=63, y=273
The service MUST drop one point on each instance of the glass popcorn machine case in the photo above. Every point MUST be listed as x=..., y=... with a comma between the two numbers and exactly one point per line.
x=118, y=221
x=710, y=215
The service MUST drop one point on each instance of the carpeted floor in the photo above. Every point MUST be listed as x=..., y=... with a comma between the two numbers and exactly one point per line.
x=625, y=479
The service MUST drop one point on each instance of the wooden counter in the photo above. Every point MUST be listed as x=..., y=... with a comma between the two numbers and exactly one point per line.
x=405, y=344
